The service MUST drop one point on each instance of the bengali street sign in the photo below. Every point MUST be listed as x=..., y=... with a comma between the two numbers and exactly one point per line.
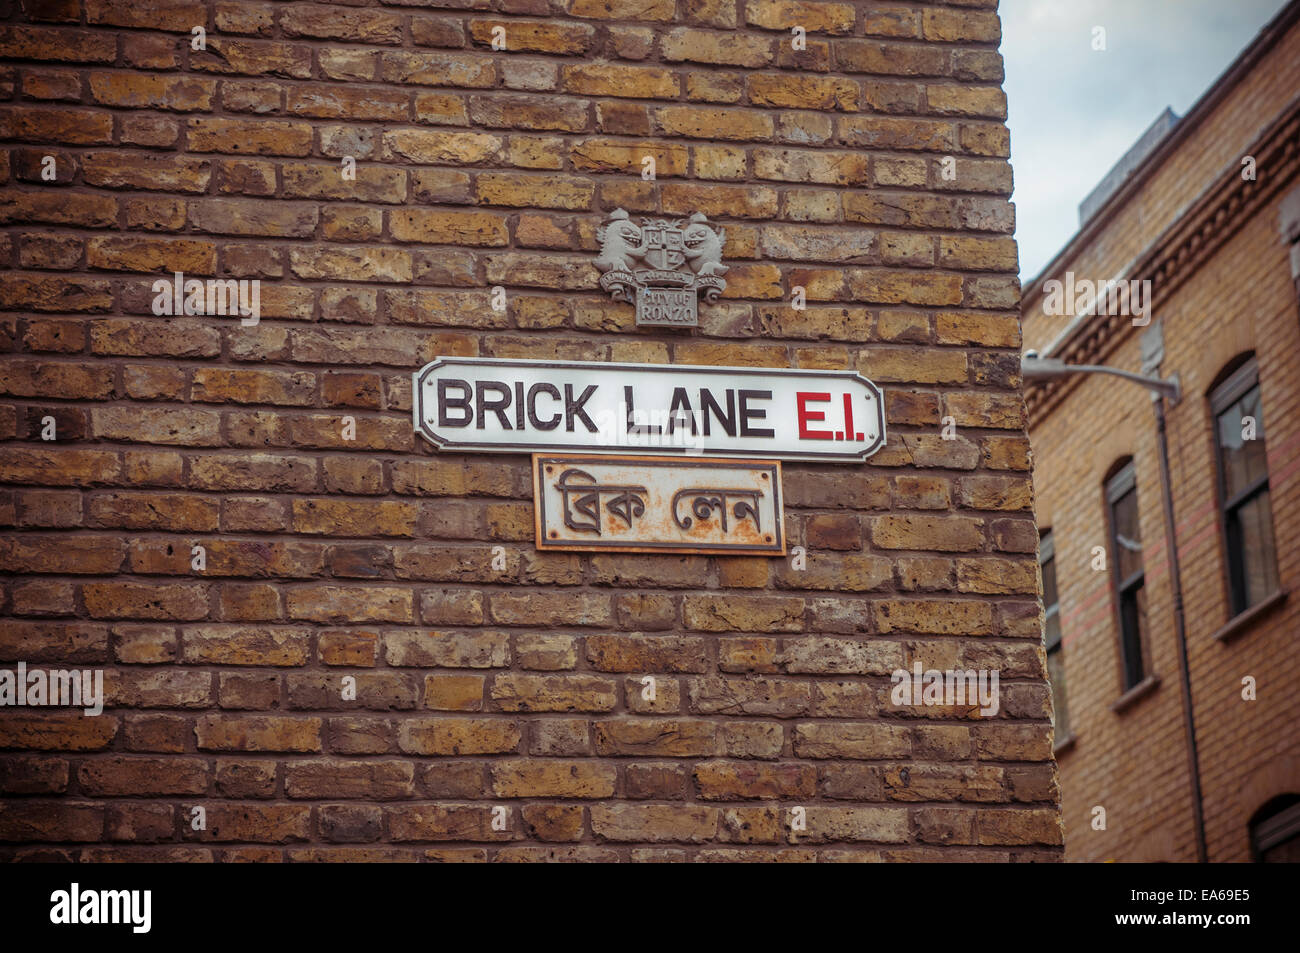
x=496, y=405
x=658, y=504
x=662, y=265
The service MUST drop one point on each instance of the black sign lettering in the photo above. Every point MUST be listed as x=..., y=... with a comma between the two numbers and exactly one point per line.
x=574, y=409
x=631, y=414
x=447, y=402
x=533, y=419
x=497, y=406
x=680, y=411
x=709, y=408
x=746, y=412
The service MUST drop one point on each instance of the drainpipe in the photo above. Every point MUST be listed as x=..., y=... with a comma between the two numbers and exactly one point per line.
x=1180, y=632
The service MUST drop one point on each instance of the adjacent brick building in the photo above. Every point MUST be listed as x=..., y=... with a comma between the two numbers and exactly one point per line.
x=1211, y=217
x=862, y=158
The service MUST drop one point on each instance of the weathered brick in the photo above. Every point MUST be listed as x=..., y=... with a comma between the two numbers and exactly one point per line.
x=654, y=823
x=654, y=737
x=447, y=649
x=57, y=731
x=257, y=733
x=381, y=780
x=350, y=604
x=697, y=122
x=243, y=645
x=458, y=736
x=861, y=741
x=50, y=821
x=510, y=692
x=921, y=532
x=258, y=823
x=553, y=779
x=143, y=777
x=759, y=614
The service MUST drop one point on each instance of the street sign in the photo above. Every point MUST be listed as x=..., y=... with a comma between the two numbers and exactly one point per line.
x=496, y=405
x=658, y=504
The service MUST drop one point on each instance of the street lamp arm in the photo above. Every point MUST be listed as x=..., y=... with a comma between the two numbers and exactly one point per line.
x=1046, y=368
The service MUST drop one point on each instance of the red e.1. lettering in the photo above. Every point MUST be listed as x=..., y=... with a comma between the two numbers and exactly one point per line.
x=805, y=415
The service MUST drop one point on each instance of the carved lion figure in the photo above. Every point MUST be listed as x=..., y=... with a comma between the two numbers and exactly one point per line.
x=703, y=246
x=620, y=242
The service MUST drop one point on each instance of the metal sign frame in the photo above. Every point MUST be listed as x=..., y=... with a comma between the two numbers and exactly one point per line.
x=747, y=374
x=774, y=546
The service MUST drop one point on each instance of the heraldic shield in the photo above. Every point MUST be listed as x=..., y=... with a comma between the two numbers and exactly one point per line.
x=662, y=265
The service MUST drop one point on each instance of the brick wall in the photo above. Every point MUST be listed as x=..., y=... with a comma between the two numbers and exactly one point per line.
x=326, y=556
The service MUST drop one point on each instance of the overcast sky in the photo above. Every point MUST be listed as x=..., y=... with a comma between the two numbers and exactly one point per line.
x=1074, y=111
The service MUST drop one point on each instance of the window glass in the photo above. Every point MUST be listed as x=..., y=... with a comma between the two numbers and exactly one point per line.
x=1259, y=555
x=1050, y=597
x=1250, y=547
x=1133, y=622
x=1244, y=461
x=1128, y=535
x=1126, y=556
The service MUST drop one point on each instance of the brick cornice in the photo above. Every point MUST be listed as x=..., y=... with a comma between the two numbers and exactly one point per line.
x=1191, y=240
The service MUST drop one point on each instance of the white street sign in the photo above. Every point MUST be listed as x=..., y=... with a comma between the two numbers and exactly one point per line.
x=496, y=405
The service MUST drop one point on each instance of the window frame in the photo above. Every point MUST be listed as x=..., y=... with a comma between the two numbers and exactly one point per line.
x=1277, y=823
x=1132, y=659
x=1061, y=719
x=1236, y=385
x=1046, y=554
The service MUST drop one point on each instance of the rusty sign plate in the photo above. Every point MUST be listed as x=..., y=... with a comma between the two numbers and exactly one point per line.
x=658, y=504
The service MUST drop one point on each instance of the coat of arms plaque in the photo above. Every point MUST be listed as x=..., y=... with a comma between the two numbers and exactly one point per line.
x=662, y=265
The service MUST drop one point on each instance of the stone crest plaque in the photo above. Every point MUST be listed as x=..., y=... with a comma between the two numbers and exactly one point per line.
x=662, y=266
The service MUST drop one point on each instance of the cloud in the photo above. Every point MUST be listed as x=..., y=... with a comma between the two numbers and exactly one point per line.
x=1074, y=111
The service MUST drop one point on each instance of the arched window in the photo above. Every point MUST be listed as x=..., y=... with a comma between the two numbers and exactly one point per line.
x=1127, y=569
x=1275, y=831
x=1247, y=514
